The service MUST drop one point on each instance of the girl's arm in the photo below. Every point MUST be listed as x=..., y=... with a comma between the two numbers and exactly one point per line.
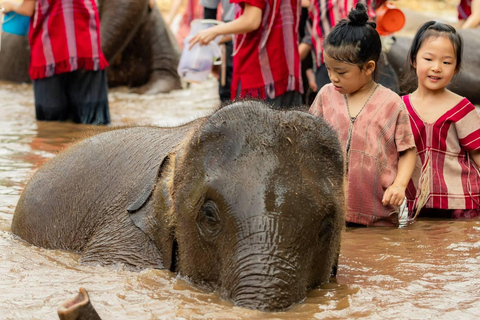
x=474, y=19
x=395, y=194
x=26, y=8
x=249, y=21
x=475, y=154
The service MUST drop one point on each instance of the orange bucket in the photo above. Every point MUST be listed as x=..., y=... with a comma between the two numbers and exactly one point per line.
x=390, y=19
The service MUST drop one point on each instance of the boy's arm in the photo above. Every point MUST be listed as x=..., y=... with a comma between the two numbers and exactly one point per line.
x=26, y=8
x=395, y=194
x=249, y=21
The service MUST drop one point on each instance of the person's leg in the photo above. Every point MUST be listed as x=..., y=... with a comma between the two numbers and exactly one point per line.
x=224, y=90
x=51, y=103
x=288, y=100
x=88, y=96
x=322, y=76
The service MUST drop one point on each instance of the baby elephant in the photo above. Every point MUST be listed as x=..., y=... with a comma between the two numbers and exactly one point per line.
x=248, y=201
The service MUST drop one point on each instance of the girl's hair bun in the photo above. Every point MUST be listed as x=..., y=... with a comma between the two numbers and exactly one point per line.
x=358, y=16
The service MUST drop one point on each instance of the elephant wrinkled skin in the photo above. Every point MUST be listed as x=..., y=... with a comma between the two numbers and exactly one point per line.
x=136, y=42
x=248, y=201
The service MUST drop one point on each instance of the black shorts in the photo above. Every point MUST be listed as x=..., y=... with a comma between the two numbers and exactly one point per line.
x=80, y=96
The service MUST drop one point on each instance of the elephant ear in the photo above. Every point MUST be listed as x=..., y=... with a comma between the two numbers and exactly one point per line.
x=150, y=212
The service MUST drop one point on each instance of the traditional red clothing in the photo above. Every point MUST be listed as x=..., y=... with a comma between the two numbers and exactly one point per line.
x=64, y=36
x=450, y=178
x=464, y=9
x=266, y=62
x=325, y=14
x=372, y=142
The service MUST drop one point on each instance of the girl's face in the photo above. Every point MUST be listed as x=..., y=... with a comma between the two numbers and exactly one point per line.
x=436, y=63
x=348, y=78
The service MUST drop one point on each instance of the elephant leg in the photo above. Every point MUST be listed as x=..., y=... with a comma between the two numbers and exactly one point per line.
x=78, y=308
x=150, y=60
x=14, y=58
x=164, y=54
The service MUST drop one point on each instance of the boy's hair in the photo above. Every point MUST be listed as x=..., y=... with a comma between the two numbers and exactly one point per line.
x=430, y=29
x=354, y=40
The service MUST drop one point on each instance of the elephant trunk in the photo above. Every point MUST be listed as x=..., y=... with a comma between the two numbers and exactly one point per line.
x=119, y=21
x=266, y=286
x=265, y=272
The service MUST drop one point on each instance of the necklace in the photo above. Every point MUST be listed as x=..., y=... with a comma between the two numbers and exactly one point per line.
x=365, y=103
x=352, y=120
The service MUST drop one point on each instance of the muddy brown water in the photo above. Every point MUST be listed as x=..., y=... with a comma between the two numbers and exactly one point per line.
x=426, y=270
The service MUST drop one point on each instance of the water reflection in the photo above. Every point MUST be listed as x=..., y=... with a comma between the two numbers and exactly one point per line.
x=429, y=269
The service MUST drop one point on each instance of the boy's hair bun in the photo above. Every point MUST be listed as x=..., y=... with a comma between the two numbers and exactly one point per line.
x=358, y=16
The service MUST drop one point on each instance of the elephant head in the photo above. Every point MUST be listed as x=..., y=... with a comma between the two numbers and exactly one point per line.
x=120, y=20
x=252, y=205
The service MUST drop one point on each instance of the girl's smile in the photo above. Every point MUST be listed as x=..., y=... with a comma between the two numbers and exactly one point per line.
x=435, y=63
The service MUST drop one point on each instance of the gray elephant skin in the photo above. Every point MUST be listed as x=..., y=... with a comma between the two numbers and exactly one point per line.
x=466, y=83
x=248, y=202
x=135, y=40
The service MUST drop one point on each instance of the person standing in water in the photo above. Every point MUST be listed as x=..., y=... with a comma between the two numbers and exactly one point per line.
x=446, y=127
x=371, y=122
x=67, y=66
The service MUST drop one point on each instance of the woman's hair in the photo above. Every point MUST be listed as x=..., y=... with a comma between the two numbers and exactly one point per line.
x=354, y=40
x=430, y=29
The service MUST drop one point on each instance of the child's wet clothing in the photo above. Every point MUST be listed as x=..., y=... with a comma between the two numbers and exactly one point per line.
x=445, y=175
x=372, y=142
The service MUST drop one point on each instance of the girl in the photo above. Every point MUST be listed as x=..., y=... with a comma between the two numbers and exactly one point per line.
x=446, y=127
x=371, y=122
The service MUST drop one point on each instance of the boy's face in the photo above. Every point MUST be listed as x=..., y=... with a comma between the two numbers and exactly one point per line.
x=435, y=63
x=346, y=78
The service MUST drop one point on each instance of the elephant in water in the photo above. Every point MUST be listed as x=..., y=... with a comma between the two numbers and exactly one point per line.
x=135, y=40
x=466, y=83
x=248, y=201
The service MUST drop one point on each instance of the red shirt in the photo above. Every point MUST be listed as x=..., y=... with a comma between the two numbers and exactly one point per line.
x=266, y=61
x=325, y=14
x=450, y=178
x=464, y=9
x=64, y=36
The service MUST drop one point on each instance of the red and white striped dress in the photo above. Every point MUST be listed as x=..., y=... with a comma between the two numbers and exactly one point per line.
x=266, y=62
x=64, y=36
x=325, y=14
x=452, y=179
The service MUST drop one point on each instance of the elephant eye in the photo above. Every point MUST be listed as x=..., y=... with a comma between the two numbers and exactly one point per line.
x=210, y=211
x=208, y=219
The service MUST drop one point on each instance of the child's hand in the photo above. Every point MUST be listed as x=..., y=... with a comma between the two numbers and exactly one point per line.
x=394, y=195
x=203, y=37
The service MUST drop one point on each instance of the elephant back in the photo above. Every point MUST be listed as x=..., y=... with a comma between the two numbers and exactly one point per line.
x=89, y=186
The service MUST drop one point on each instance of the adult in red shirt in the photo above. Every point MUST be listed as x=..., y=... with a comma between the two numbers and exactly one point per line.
x=67, y=65
x=266, y=61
